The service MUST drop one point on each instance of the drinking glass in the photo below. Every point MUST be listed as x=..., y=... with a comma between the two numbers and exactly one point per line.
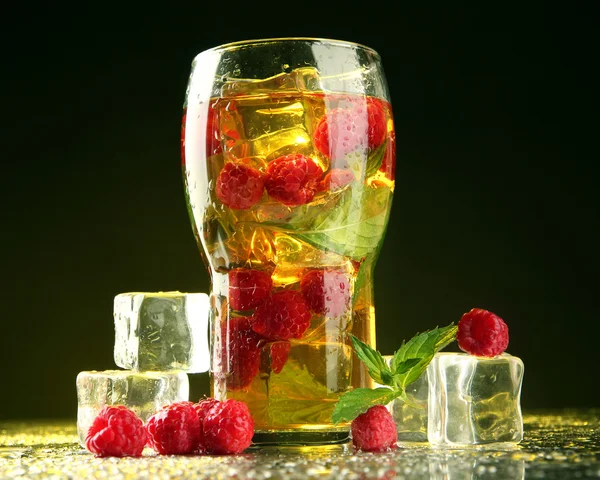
x=288, y=154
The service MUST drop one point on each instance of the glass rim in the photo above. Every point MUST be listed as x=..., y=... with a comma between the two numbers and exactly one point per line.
x=259, y=41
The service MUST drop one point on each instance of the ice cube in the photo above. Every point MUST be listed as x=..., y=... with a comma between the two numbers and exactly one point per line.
x=474, y=400
x=143, y=392
x=162, y=331
x=411, y=420
x=260, y=129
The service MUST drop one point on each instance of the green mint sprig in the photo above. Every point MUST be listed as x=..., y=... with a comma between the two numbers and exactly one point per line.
x=407, y=365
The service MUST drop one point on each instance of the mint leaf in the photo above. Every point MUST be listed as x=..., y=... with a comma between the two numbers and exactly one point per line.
x=423, y=346
x=378, y=369
x=355, y=226
x=351, y=404
x=375, y=159
x=406, y=365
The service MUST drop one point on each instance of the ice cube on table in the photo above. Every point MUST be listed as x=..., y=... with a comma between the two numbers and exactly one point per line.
x=162, y=331
x=411, y=420
x=474, y=400
x=143, y=392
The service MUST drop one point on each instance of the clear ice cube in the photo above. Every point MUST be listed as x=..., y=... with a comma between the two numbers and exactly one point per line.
x=143, y=392
x=411, y=420
x=162, y=331
x=474, y=400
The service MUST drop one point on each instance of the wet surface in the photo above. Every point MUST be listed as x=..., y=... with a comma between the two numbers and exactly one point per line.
x=557, y=445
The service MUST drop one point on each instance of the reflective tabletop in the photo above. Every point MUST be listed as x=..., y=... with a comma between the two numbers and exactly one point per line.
x=557, y=445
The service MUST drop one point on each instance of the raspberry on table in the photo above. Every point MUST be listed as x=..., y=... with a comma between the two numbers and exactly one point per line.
x=482, y=333
x=374, y=430
x=326, y=291
x=202, y=408
x=282, y=316
x=174, y=429
x=239, y=354
x=228, y=428
x=336, y=179
x=239, y=186
x=342, y=130
x=248, y=288
x=293, y=179
x=116, y=432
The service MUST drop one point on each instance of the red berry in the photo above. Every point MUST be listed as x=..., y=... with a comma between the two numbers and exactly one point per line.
x=343, y=130
x=213, y=133
x=388, y=164
x=248, y=288
x=239, y=186
x=276, y=354
x=116, y=432
x=239, y=354
x=282, y=316
x=293, y=179
x=374, y=430
x=174, y=429
x=202, y=408
x=336, y=179
x=326, y=291
x=482, y=333
x=228, y=427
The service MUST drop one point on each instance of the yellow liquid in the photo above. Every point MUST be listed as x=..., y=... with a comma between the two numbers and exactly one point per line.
x=255, y=129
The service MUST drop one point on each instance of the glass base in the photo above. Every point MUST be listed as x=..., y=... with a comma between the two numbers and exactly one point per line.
x=299, y=438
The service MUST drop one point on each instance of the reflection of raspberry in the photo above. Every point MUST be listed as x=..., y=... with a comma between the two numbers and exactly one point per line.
x=293, y=179
x=202, y=408
x=482, y=333
x=345, y=130
x=116, y=432
x=374, y=430
x=174, y=429
x=282, y=316
x=228, y=428
x=275, y=355
x=248, y=288
x=239, y=353
x=239, y=186
x=326, y=291
x=335, y=179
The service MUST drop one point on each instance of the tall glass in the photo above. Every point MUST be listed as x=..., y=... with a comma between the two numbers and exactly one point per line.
x=288, y=158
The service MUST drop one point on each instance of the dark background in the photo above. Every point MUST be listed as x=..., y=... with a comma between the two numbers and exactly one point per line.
x=496, y=202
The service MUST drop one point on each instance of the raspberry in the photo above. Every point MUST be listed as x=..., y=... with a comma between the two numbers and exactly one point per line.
x=326, y=291
x=228, y=427
x=213, y=134
x=239, y=353
x=116, y=432
x=482, y=333
x=174, y=429
x=336, y=179
x=202, y=408
x=344, y=130
x=239, y=186
x=293, y=179
x=248, y=288
x=388, y=164
x=374, y=430
x=282, y=316
x=275, y=355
